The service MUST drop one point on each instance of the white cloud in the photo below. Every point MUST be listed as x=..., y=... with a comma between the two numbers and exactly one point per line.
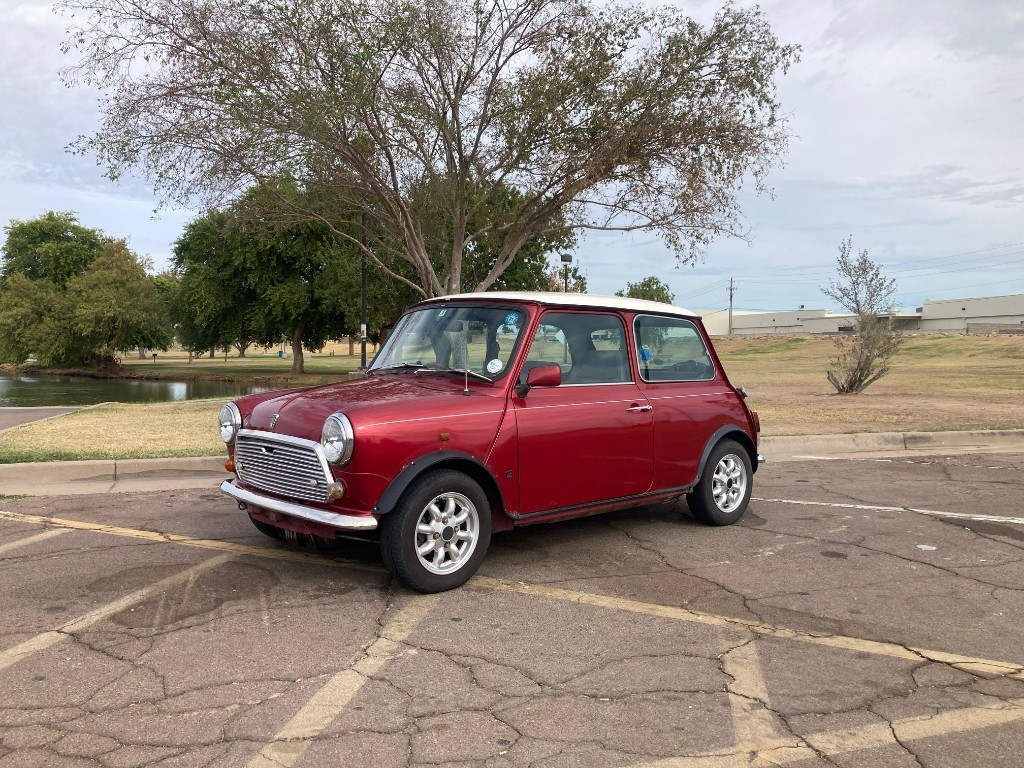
x=908, y=117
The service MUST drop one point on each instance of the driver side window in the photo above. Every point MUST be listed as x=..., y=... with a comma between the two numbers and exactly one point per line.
x=590, y=348
x=671, y=349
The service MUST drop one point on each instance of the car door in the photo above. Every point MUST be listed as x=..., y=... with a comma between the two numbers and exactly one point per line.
x=591, y=438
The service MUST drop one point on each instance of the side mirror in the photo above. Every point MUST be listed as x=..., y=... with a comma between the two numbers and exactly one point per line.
x=541, y=376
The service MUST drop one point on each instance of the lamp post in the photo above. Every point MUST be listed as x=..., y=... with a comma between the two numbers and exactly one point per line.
x=566, y=261
x=362, y=291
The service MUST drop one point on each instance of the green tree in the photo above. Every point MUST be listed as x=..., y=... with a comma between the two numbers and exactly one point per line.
x=52, y=247
x=214, y=305
x=32, y=314
x=861, y=288
x=246, y=276
x=650, y=288
x=616, y=117
x=557, y=279
x=116, y=306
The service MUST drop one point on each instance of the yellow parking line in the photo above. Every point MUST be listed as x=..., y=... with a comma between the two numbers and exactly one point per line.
x=270, y=553
x=752, y=720
x=783, y=751
x=874, y=647
x=31, y=539
x=292, y=741
x=47, y=639
x=856, y=644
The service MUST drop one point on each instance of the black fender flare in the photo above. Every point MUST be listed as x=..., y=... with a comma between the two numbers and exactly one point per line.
x=731, y=431
x=418, y=466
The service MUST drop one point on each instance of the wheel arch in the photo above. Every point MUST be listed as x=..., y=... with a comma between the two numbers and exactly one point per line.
x=458, y=461
x=728, y=432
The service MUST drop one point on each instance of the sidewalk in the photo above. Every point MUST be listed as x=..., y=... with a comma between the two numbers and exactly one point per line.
x=67, y=478
x=11, y=417
x=139, y=475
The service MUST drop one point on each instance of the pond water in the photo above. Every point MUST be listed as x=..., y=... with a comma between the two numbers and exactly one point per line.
x=40, y=390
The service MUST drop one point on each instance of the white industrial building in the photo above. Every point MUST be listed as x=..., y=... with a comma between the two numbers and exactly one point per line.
x=994, y=314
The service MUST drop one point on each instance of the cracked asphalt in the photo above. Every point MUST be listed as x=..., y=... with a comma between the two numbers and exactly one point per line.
x=857, y=616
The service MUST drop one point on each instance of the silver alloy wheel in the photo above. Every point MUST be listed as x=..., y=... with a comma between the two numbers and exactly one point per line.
x=729, y=483
x=447, y=532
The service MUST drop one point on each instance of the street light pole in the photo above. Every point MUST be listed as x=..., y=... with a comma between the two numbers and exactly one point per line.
x=566, y=261
x=362, y=291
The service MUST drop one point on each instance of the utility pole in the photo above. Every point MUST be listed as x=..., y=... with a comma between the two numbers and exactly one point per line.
x=362, y=291
x=732, y=290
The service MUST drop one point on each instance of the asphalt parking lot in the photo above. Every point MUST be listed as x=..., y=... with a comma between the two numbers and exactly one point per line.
x=857, y=616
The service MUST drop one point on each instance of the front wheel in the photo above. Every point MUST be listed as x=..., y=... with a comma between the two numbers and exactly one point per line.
x=722, y=495
x=437, y=535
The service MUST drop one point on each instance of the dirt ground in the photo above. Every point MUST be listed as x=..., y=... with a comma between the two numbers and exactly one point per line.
x=937, y=383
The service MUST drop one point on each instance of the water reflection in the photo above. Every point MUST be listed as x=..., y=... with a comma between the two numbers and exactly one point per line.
x=41, y=390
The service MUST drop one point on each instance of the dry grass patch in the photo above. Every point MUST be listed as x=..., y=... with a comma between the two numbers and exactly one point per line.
x=938, y=383
x=119, y=431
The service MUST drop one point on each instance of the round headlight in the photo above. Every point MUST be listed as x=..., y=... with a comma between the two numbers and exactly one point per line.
x=230, y=422
x=337, y=438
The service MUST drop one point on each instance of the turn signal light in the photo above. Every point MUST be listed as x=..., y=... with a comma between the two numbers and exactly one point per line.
x=229, y=465
x=757, y=421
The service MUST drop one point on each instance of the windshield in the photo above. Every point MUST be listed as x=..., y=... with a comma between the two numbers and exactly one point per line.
x=478, y=339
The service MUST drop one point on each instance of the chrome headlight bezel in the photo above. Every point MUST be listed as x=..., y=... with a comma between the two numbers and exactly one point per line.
x=230, y=420
x=338, y=439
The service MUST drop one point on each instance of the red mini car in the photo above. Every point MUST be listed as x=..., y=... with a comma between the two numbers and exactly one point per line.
x=486, y=411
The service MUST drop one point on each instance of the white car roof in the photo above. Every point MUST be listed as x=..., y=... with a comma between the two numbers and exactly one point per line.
x=576, y=300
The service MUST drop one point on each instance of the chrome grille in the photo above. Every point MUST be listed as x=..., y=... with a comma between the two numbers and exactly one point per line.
x=285, y=466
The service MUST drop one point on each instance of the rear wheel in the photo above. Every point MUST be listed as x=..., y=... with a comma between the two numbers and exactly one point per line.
x=722, y=495
x=437, y=535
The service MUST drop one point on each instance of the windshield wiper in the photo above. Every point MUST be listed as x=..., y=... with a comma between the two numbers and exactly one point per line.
x=399, y=368
x=458, y=371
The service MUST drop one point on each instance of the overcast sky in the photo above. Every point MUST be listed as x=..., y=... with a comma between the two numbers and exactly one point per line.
x=909, y=123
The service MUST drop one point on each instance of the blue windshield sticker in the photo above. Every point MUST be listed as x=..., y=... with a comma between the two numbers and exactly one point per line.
x=512, y=318
x=645, y=354
x=495, y=365
x=442, y=313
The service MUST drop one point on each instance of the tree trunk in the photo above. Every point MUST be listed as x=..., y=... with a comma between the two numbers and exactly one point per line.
x=142, y=354
x=242, y=346
x=213, y=353
x=298, y=363
x=351, y=345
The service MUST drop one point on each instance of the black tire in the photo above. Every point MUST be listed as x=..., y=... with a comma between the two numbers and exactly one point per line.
x=723, y=493
x=267, y=529
x=437, y=500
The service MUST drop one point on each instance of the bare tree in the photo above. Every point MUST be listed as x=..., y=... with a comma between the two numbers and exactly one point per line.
x=612, y=117
x=863, y=357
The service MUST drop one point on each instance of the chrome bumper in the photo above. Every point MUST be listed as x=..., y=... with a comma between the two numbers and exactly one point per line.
x=313, y=514
x=760, y=459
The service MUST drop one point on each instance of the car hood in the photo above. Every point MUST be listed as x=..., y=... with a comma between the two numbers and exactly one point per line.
x=372, y=400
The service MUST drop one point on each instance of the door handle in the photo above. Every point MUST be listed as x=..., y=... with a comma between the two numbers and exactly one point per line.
x=640, y=408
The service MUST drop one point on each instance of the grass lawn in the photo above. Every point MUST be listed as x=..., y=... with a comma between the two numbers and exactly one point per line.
x=937, y=383
x=331, y=363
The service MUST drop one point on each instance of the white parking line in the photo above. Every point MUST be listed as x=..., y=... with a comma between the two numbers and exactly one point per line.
x=874, y=508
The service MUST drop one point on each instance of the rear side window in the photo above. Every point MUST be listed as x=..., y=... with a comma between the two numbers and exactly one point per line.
x=671, y=349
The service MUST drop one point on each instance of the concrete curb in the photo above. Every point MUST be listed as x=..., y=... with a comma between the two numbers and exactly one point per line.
x=48, y=473
x=80, y=477
x=864, y=442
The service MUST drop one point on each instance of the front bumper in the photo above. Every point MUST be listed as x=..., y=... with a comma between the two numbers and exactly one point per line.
x=312, y=514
